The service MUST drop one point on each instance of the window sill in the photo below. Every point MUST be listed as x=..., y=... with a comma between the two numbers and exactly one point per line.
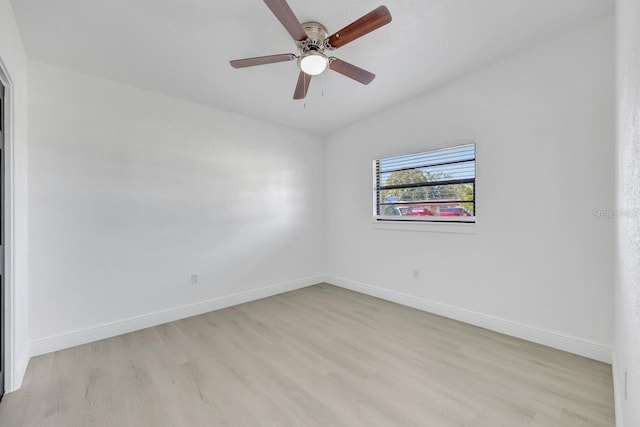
x=430, y=227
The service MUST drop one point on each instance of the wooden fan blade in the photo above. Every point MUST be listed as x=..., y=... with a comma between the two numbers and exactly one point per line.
x=369, y=22
x=287, y=18
x=303, y=86
x=261, y=60
x=351, y=71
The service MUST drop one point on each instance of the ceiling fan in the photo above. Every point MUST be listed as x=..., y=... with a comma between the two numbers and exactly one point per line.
x=313, y=42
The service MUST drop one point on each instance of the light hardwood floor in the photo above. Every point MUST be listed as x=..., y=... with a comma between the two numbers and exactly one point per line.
x=319, y=356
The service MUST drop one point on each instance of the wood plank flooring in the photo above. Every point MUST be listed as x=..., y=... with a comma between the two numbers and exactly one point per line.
x=319, y=356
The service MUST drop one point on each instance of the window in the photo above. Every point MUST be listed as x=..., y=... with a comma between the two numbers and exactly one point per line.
x=434, y=186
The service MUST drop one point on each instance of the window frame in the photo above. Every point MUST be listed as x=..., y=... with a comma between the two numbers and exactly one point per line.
x=453, y=224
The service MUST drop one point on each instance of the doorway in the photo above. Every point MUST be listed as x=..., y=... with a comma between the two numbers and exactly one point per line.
x=3, y=324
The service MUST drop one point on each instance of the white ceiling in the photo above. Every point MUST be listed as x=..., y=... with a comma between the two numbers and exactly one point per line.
x=182, y=48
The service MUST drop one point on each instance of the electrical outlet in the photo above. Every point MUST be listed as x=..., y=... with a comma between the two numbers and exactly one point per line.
x=416, y=273
x=194, y=279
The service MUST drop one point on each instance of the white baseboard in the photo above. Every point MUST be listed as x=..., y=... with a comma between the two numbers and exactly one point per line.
x=618, y=392
x=18, y=373
x=551, y=339
x=112, y=329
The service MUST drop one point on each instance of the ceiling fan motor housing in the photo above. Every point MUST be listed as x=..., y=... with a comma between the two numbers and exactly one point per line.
x=317, y=34
x=312, y=60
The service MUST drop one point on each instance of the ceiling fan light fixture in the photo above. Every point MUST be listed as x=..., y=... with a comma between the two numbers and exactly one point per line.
x=313, y=63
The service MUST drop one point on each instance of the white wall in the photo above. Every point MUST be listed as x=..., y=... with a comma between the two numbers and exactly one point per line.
x=538, y=264
x=627, y=290
x=131, y=192
x=14, y=62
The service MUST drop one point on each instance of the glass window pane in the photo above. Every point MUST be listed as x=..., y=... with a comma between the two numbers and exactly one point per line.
x=448, y=178
x=429, y=209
